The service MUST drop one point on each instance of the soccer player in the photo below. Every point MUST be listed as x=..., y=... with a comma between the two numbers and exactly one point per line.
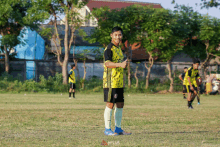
x=190, y=80
x=113, y=82
x=72, y=81
x=181, y=77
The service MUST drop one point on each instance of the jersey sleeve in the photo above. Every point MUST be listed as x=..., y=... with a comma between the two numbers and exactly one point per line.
x=108, y=53
x=182, y=75
x=189, y=73
x=70, y=72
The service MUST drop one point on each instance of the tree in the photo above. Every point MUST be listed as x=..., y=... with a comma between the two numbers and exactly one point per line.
x=173, y=44
x=135, y=74
x=190, y=24
x=129, y=19
x=211, y=3
x=72, y=22
x=14, y=17
x=210, y=35
x=83, y=56
x=157, y=32
x=206, y=4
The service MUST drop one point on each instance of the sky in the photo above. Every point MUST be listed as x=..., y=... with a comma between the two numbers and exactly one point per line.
x=214, y=12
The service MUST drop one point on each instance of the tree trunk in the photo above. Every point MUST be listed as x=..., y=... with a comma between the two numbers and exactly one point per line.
x=170, y=75
x=151, y=61
x=129, y=74
x=147, y=78
x=84, y=76
x=135, y=75
x=6, y=59
x=77, y=69
x=208, y=58
x=66, y=56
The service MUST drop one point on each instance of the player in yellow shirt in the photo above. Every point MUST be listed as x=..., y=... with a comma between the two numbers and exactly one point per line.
x=113, y=82
x=72, y=81
x=181, y=77
x=191, y=84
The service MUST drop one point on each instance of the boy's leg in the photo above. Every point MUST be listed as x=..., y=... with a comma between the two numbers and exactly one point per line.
x=73, y=93
x=73, y=87
x=70, y=90
x=70, y=93
x=119, y=98
x=107, y=119
x=184, y=91
x=198, y=96
x=189, y=97
x=108, y=111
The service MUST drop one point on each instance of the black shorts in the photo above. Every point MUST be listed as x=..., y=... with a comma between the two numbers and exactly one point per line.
x=189, y=90
x=116, y=95
x=184, y=89
x=73, y=85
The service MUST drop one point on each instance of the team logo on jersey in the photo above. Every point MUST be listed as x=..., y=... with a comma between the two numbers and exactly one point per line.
x=116, y=95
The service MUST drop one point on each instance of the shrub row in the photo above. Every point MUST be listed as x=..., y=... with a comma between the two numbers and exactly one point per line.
x=93, y=84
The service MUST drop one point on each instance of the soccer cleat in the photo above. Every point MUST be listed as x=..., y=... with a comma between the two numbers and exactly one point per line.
x=190, y=107
x=119, y=131
x=74, y=97
x=198, y=103
x=184, y=97
x=109, y=132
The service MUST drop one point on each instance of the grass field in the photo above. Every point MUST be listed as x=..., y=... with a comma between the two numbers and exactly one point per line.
x=154, y=120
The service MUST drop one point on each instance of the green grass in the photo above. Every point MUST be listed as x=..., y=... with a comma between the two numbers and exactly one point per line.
x=154, y=120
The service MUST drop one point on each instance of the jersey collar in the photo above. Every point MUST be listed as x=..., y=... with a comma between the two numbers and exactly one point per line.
x=114, y=45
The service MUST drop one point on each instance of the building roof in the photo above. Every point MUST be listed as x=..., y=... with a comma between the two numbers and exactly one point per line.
x=114, y=4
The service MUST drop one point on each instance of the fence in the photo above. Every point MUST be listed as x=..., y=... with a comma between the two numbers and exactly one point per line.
x=34, y=68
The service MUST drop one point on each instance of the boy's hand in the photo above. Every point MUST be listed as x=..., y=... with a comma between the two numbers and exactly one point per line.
x=123, y=64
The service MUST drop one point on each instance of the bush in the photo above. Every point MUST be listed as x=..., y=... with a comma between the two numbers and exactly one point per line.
x=92, y=84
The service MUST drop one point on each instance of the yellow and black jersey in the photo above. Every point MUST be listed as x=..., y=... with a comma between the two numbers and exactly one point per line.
x=193, y=74
x=113, y=77
x=72, y=76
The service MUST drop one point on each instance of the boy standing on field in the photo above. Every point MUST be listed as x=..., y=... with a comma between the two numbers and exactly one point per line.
x=113, y=82
x=72, y=81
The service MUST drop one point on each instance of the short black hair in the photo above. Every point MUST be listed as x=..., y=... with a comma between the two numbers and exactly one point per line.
x=73, y=65
x=196, y=61
x=115, y=29
x=185, y=67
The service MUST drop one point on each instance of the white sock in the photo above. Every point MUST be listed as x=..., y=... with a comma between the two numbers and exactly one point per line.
x=118, y=117
x=107, y=117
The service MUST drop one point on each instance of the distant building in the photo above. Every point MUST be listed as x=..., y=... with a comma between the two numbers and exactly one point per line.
x=33, y=49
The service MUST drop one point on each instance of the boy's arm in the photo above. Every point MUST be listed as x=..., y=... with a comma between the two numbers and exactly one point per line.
x=70, y=74
x=180, y=77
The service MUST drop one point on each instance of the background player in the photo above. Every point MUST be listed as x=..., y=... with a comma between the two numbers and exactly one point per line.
x=72, y=81
x=181, y=77
x=190, y=80
x=113, y=82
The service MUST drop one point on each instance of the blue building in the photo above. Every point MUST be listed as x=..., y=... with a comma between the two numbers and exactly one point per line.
x=33, y=49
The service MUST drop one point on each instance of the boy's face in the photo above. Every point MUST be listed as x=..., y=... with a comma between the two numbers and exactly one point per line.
x=185, y=70
x=196, y=65
x=116, y=37
x=74, y=68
